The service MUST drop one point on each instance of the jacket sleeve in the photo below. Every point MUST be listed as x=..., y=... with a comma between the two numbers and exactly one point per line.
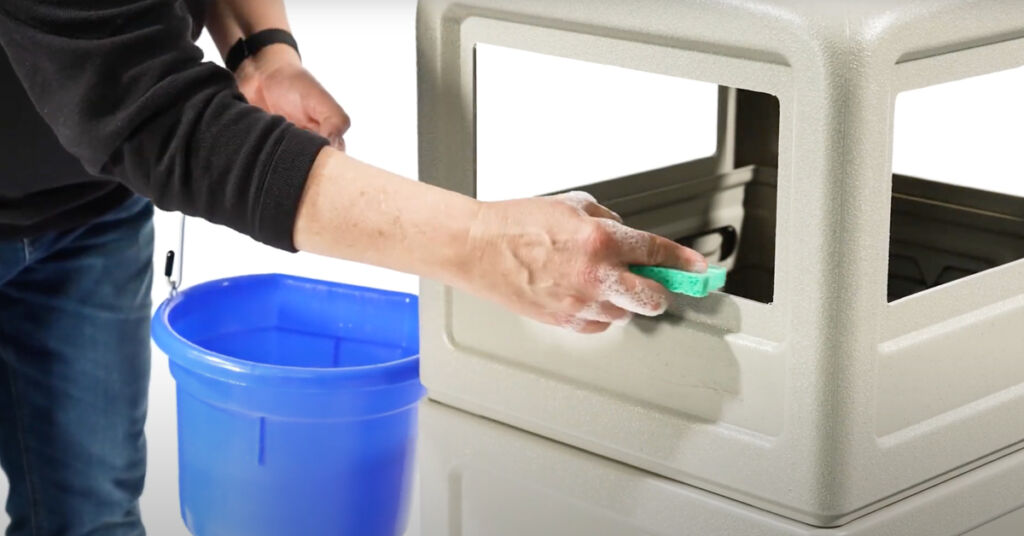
x=126, y=91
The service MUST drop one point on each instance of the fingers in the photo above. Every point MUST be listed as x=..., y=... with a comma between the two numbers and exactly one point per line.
x=599, y=316
x=590, y=327
x=577, y=324
x=586, y=203
x=332, y=120
x=576, y=199
x=639, y=247
x=334, y=126
x=581, y=325
x=605, y=312
x=636, y=294
x=600, y=211
x=594, y=318
x=291, y=91
x=664, y=252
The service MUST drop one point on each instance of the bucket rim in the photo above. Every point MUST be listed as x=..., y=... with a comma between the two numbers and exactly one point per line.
x=193, y=357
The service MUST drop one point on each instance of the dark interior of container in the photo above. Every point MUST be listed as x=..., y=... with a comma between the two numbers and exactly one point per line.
x=939, y=233
x=751, y=245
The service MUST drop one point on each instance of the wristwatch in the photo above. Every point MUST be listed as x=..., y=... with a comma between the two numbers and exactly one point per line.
x=250, y=46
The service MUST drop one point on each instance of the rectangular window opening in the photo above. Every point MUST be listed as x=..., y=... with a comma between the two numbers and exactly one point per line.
x=686, y=159
x=958, y=190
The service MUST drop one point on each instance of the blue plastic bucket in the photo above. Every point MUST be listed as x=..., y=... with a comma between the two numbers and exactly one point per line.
x=297, y=406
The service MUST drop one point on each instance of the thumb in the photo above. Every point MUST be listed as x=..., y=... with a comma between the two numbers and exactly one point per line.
x=333, y=123
x=334, y=128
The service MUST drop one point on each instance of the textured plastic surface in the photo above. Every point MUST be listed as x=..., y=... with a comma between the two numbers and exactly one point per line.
x=820, y=400
x=297, y=405
x=482, y=478
x=683, y=282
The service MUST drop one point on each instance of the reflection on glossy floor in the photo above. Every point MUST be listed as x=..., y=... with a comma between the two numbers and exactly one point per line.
x=482, y=478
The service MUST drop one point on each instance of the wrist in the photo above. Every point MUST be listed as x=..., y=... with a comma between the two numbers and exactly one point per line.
x=273, y=45
x=267, y=60
x=276, y=54
x=468, y=251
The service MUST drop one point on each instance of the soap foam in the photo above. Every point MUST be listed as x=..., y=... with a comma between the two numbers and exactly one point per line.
x=575, y=324
x=577, y=199
x=635, y=244
x=612, y=289
x=640, y=300
x=597, y=311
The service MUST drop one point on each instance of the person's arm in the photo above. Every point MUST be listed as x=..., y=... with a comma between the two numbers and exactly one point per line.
x=126, y=91
x=561, y=260
x=229, y=20
x=274, y=79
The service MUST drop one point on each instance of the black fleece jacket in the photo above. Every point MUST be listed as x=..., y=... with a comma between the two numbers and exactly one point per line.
x=99, y=98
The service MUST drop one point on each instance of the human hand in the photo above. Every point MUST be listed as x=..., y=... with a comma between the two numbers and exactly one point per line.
x=275, y=80
x=564, y=260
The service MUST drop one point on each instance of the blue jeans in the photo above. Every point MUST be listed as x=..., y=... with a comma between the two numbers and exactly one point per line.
x=74, y=375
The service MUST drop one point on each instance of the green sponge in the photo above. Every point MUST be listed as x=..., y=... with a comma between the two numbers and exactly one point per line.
x=689, y=283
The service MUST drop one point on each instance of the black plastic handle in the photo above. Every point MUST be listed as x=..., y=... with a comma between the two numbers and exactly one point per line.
x=169, y=264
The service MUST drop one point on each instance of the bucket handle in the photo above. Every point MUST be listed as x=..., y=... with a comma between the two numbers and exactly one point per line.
x=169, y=263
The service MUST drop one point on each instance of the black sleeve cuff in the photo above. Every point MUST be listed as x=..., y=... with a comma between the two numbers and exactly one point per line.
x=283, y=187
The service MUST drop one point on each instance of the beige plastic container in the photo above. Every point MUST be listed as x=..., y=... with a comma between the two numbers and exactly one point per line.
x=838, y=374
x=483, y=478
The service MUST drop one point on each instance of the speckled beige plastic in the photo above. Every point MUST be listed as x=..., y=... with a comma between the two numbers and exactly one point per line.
x=482, y=478
x=830, y=401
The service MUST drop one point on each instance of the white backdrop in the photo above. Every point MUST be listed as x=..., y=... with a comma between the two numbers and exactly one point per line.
x=364, y=53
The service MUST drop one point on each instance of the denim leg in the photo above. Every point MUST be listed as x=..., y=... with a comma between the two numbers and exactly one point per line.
x=74, y=378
